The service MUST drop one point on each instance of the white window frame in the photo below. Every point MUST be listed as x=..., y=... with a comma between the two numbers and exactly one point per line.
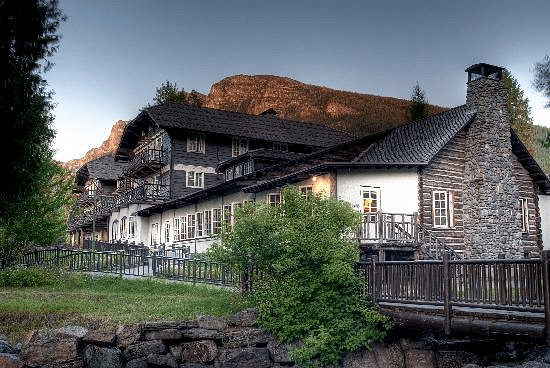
x=183, y=227
x=524, y=214
x=442, y=209
x=306, y=190
x=114, y=230
x=176, y=232
x=217, y=218
x=199, y=224
x=207, y=222
x=195, y=143
x=131, y=227
x=191, y=226
x=273, y=198
x=155, y=233
x=248, y=167
x=123, y=227
x=167, y=232
x=239, y=146
x=195, y=179
x=280, y=147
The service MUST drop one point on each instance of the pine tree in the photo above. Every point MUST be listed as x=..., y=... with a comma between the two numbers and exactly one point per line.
x=519, y=111
x=418, y=108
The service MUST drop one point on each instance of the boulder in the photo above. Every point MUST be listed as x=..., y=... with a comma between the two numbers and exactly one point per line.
x=49, y=349
x=10, y=361
x=244, y=358
x=203, y=351
x=127, y=335
x=246, y=337
x=102, y=357
x=245, y=318
x=102, y=338
x=144, y=349
x=168, y=334
x=416, y=358
x=161, y=361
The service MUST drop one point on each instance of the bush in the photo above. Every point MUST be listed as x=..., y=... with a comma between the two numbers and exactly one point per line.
x=29, y=277
x=309, y=290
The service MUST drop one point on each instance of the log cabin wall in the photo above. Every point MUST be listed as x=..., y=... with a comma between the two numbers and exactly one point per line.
x=445, y=173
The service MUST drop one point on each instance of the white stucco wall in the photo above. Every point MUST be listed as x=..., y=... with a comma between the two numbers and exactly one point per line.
x=544, y=208
x=398, y=188
x=141, y=230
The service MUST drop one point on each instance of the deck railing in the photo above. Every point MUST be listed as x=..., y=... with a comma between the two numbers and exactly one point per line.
x=145, y=162
x=134, y=264
x=382, y=227
x=511, y=284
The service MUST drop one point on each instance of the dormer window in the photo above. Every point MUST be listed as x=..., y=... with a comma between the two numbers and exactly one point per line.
x=280, y=147
x=195, y=143
x=238, y=170
x=239, y=146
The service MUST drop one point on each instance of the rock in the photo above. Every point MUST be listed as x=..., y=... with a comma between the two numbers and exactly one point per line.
x=161, y=361
x=203, y=351
x=49, y=350
x=101, y=357
x=211, y=323
x=144, y=349
x=6, y=348
x=246, y=336
x=76, y=332
x=101, y=338
x=10, y=361
x=202, y=334
x=136, y=363
x=244, y=358
x=391, y=355
x=415, y=358
x=245, y=318
x=360, y=359
x=127, y=335
x=278, y=352
x=168, y=334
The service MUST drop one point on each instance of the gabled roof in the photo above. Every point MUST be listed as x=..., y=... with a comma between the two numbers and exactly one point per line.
x=418, y=141
x=201, y=119
x=102, y=168
x=259, y=154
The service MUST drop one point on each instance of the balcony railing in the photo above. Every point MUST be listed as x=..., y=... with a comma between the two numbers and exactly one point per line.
x=397, y=228
x=146, y=162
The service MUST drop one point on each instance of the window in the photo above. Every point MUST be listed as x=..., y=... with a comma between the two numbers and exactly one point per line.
x=248, y=167
x=114, y=230
x=442, y=209
x=216, y=220
x=183, y=228
x=524, y=214
x=190, y=226
x=131, y=227
x=229, y=174
x=239, y=146
x=167, y=232
x=177, y=229
x=195, y=143
x=207, y=223
x=370, y=201
x=280, y=147
x=227, y=215
x=238, y=171
x=200, y=224
x=273, y=198
x=306, y=191
x=123, y=227
x=195, y=179
x=154, y=234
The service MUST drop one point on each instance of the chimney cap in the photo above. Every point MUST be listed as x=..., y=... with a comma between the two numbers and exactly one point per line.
x=477, y=71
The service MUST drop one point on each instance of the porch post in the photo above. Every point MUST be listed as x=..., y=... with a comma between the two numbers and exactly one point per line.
x=546, y=291
x=447, y=293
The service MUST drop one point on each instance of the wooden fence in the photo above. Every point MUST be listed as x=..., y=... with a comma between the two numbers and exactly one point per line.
x=512, y=285
x=134, y=264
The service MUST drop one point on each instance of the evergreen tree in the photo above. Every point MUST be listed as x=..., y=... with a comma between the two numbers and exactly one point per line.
x=519, y=111
x=27, y=38
x=542, y=78
x=169, y=92
x=418, y=108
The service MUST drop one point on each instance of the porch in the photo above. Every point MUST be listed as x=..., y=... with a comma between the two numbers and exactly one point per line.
x=400, y=235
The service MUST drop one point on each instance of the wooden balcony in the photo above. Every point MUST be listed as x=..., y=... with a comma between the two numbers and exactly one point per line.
x=145, y=193
x=391, y=229
x=145, y=163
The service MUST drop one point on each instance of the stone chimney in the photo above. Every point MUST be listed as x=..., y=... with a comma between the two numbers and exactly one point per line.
x=491, y=201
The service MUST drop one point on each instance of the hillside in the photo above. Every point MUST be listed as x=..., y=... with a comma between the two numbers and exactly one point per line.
x=354, y=112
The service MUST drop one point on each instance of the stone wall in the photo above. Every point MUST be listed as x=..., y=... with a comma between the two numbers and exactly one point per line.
x=236, y=342
x=491, y=203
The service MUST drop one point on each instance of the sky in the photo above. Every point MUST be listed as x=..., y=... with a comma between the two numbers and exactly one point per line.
x=114, y=54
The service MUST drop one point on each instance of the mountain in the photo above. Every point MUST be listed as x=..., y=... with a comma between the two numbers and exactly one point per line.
x=107, y=147
x=356, y=113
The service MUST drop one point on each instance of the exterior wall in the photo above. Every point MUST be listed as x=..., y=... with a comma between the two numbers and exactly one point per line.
x=141, y=230
x=544, y=208
x=491, y=193
x=445, y=173
x=325, y=184
x=398, y=188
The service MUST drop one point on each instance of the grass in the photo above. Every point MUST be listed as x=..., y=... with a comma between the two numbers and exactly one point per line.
x=34, y=299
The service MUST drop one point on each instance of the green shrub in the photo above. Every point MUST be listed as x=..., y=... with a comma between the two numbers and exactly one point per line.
x=29, y=277
x=309, y=289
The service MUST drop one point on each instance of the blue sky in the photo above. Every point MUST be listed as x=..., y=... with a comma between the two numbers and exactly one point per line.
x=113, y=54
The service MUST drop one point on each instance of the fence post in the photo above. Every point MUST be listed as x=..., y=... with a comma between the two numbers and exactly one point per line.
x=374, y=291
x=447, y=292
x=546, y=291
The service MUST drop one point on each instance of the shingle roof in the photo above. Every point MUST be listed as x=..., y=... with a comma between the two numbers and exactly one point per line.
x=260, y=153
x=104, y=168
x=417, y=142
x=265, y=127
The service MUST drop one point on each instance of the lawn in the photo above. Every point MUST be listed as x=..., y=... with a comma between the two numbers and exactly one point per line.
x=32, y=299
